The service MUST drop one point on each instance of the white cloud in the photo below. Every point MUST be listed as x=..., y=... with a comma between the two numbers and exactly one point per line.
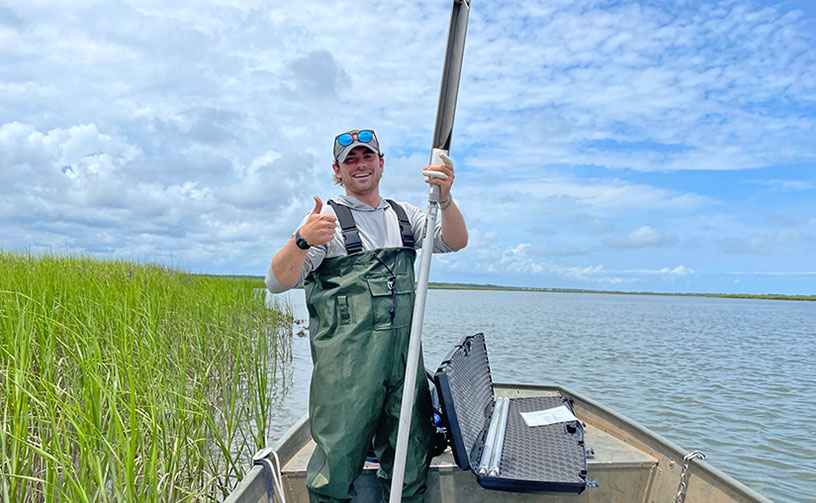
x=479, y=239
x=556, y=250
x=541, y=230
x=671, y=76
x=679, y=270
x=638, y=238
x=788, y=185
x=552, y=193
x=317, y=75
x=167, y=130
x=523, y=261
x=760, y=243
x=588, y=273
x=772, y=273
x=63, y=159
x=83, y=184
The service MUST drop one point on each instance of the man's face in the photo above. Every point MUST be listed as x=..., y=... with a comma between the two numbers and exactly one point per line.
x=360, y=172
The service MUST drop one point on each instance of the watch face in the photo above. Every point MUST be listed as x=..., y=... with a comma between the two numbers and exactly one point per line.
x=300, y=242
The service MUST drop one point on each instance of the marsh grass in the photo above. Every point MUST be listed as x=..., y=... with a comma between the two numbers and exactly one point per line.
x=130, y=382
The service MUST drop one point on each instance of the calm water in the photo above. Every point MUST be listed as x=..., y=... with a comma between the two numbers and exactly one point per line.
x=734, y=378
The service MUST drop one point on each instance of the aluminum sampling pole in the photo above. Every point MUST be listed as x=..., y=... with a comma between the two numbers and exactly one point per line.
x=448, y=92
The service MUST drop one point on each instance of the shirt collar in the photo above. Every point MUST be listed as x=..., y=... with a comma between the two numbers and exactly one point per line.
x=356, y=204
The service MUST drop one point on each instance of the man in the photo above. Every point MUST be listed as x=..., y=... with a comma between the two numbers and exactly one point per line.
x=357, y=259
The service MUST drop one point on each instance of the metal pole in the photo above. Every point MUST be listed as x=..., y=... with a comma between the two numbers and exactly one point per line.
x=448, y=92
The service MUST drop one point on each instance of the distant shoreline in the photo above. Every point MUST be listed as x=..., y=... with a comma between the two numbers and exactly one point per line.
x=475, y=286
x=466, y=286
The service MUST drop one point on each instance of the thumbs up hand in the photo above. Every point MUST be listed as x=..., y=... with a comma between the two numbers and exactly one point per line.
x=319, y=228
x=318, y=206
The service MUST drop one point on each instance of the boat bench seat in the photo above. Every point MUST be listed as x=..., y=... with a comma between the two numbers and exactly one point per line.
x=609, y=451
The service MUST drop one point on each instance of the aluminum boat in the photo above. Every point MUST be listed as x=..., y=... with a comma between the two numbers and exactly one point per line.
x=630, y=464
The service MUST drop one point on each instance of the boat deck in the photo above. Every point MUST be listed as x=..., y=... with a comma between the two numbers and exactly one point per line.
x=630, y=463
x=613, y=457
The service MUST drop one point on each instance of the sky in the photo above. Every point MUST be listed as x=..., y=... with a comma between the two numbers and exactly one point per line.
x=664, y=146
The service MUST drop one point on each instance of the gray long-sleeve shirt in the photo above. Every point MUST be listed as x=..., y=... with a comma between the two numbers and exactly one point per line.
x=379, y=228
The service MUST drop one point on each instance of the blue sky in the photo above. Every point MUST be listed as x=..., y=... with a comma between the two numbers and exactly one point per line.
x=639, y=146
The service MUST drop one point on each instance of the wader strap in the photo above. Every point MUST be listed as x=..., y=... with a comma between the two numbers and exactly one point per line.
x=351, y=236
x=405, y=224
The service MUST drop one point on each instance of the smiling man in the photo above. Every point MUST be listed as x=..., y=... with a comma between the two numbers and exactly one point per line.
x=356, y=256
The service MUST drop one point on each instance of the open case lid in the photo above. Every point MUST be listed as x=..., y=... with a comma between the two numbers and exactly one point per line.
x=546, y=458
x=466, y=392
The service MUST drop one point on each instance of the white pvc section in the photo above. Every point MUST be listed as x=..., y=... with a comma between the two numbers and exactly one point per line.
x=409, y=386
x=495, y=458
x=490, y=439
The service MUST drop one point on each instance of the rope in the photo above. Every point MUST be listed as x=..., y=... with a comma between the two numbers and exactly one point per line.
x=272, y=473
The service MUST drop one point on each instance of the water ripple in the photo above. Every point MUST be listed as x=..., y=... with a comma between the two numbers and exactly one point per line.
x=732, y=377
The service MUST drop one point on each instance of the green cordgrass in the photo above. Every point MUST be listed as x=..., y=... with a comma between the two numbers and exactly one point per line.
x=131, y=382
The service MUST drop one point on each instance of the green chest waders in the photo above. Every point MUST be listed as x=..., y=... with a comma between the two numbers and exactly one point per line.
x=360, y=309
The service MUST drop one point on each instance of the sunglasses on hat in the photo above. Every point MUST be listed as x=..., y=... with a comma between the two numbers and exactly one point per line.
x=347, y=139
x=344, y=142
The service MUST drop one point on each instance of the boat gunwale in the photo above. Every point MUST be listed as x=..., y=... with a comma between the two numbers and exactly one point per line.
x=286, y=446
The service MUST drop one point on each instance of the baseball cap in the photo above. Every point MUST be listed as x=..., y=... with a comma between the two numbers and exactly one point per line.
x=345, y=143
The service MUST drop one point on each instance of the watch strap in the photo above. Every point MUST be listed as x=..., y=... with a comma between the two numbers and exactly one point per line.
x=300, y=242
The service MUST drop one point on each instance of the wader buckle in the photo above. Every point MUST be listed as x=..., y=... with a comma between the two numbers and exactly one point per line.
x=352, y=239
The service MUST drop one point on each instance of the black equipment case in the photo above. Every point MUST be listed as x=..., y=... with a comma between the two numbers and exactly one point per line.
x=548, y=458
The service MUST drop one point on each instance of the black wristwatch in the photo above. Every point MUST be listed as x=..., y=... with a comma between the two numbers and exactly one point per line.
x=300, y=242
